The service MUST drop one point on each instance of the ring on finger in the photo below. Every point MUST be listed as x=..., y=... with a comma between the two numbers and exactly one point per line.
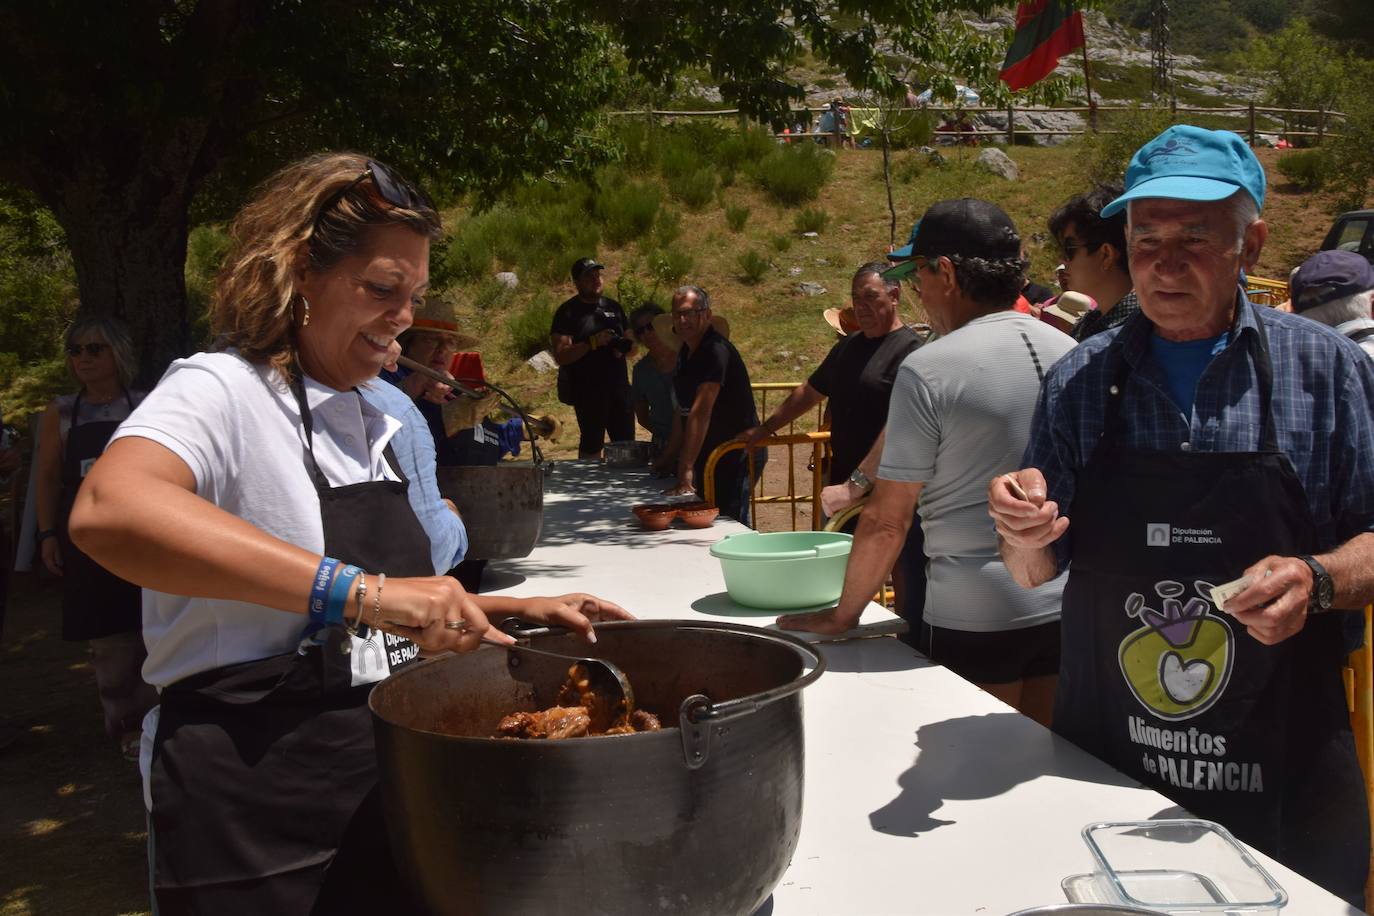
x=459, y=625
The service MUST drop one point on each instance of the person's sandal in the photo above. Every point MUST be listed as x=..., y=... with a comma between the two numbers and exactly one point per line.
x=129, y=746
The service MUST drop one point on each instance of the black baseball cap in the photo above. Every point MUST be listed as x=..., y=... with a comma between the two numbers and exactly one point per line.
x=967, y=226
x=582, y=265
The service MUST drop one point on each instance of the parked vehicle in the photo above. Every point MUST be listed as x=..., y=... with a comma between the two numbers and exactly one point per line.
x=1353, y=231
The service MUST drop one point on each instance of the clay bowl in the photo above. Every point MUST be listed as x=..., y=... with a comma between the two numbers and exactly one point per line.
x=655, y=516
x=697, y=515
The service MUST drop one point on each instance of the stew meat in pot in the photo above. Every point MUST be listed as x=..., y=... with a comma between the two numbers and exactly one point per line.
x=581, y=712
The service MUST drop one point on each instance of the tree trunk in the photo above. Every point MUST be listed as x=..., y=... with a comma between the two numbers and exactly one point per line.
x=127, y=233
x=887, y=182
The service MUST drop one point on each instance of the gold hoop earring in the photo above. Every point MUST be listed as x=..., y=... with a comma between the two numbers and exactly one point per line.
x=305, y=304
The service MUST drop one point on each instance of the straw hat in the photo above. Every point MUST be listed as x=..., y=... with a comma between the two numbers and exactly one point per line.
x=663, y=327
x=437, y=318
x=842, y=320
x=1070, y=307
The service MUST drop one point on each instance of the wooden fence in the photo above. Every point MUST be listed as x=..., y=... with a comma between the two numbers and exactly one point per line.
x=1250, y=113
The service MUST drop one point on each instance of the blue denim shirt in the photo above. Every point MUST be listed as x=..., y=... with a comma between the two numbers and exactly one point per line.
x=414, y=450
x=1322, y=403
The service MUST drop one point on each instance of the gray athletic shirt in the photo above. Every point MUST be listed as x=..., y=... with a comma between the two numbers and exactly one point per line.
x=960, y=415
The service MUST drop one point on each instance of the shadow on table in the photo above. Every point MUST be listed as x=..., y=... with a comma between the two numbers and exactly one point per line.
x=495, y=579
x=974, y=757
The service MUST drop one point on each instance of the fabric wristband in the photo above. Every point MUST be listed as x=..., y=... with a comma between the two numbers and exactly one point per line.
x=319, y=591
x=339, y=593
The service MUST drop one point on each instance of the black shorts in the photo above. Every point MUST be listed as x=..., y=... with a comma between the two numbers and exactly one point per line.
x=999, y=657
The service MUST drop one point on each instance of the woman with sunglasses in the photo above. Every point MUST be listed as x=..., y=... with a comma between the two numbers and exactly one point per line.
x=97, y=606
x=651, y=388
x=256, y=497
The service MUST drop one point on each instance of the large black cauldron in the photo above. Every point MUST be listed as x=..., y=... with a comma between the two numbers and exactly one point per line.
x=701, y=817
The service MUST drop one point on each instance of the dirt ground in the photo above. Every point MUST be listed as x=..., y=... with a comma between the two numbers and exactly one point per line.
x=71, y=829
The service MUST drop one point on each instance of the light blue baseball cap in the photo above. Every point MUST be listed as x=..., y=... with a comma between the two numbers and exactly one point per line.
x=1190, y=163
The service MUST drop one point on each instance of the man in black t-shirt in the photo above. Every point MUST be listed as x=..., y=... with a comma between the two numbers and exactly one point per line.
x=857, y=376
x=590, y=344
x=715, y=403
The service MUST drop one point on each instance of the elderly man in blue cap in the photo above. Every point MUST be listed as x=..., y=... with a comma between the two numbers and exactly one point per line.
x=1202, y=473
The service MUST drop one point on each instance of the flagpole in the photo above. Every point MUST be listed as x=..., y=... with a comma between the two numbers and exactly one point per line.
x=1088, y=82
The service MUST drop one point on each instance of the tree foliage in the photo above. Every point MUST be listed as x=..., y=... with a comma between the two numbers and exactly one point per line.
x=131, y=121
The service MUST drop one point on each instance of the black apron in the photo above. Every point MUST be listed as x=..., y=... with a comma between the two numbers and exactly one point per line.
x=95, y=602
x=1167, y=688
x=264, y=773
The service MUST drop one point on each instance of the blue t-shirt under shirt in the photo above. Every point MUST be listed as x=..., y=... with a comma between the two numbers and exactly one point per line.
x=1183, y=363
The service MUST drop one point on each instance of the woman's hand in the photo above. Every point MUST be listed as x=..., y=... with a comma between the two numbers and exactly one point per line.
x=575, y=611
x=52, y=555
x=434, y=612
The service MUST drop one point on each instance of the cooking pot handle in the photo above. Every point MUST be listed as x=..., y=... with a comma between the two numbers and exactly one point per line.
x=698, y=715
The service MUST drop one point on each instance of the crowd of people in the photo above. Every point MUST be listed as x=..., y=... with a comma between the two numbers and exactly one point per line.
x=1054, y=484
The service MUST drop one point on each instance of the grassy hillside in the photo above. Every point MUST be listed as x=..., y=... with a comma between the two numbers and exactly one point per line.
x=777, y=328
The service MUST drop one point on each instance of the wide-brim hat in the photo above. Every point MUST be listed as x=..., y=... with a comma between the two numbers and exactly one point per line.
x=663, y=327
x=1192, y=163
x=437, y=318
x=1070, y=306
x=842, y=320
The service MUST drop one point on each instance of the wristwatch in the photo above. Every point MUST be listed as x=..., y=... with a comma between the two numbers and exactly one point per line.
x=859, y=479
x=1323, y=589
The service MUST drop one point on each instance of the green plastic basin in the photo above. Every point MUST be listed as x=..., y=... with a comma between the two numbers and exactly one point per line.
x=784, y=569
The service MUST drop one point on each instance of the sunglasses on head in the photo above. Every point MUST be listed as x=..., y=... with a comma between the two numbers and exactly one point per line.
x=92, y=349
x=392, y=188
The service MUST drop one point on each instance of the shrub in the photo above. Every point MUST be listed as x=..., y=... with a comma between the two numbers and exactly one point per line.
x=1108, y=154
x=794, y=174
x=529, y=327
x=627, y=212
x=1305, y=168
x=465, y=255
x=781, y=242
x=695, y=189
x=676, y=160
x=744, y=148
x=632, y=292
x=736, y=217
x=544, y=229
x=811, y=220
x=753, y=266
x=670, y=266
x=667, y=229
x=638, y=142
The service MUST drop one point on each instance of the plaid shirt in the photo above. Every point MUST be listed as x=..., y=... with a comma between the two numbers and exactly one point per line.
x=1323, y=404
x=1095, y=322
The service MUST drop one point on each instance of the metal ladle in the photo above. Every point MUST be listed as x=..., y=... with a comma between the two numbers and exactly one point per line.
x=546, y=672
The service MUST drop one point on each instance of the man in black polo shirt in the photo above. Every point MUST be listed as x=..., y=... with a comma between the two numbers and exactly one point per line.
x=857, y=375
x=590, y=345
x=715, y=404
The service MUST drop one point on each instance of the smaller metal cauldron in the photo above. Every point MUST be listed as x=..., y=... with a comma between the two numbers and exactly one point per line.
x=502, y=506
x=627, y=454
x=699, y=818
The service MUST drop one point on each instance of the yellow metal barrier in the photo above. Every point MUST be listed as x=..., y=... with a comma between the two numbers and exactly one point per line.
x=1266, y=292
x=1359, y=678
x=817, y=441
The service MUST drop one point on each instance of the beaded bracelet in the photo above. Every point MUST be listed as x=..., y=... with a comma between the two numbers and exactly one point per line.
x=377, y=603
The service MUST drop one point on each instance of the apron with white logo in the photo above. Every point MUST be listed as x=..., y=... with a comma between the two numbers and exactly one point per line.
x=1164, y=686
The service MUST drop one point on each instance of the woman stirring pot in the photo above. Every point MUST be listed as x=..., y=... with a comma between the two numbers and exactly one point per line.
x=255, y=496
x=96, y=605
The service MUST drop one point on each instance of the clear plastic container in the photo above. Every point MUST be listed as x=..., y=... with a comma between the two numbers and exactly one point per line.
x=1180, y=867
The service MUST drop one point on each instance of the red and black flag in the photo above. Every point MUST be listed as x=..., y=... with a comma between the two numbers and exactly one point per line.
x=1045, y=31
